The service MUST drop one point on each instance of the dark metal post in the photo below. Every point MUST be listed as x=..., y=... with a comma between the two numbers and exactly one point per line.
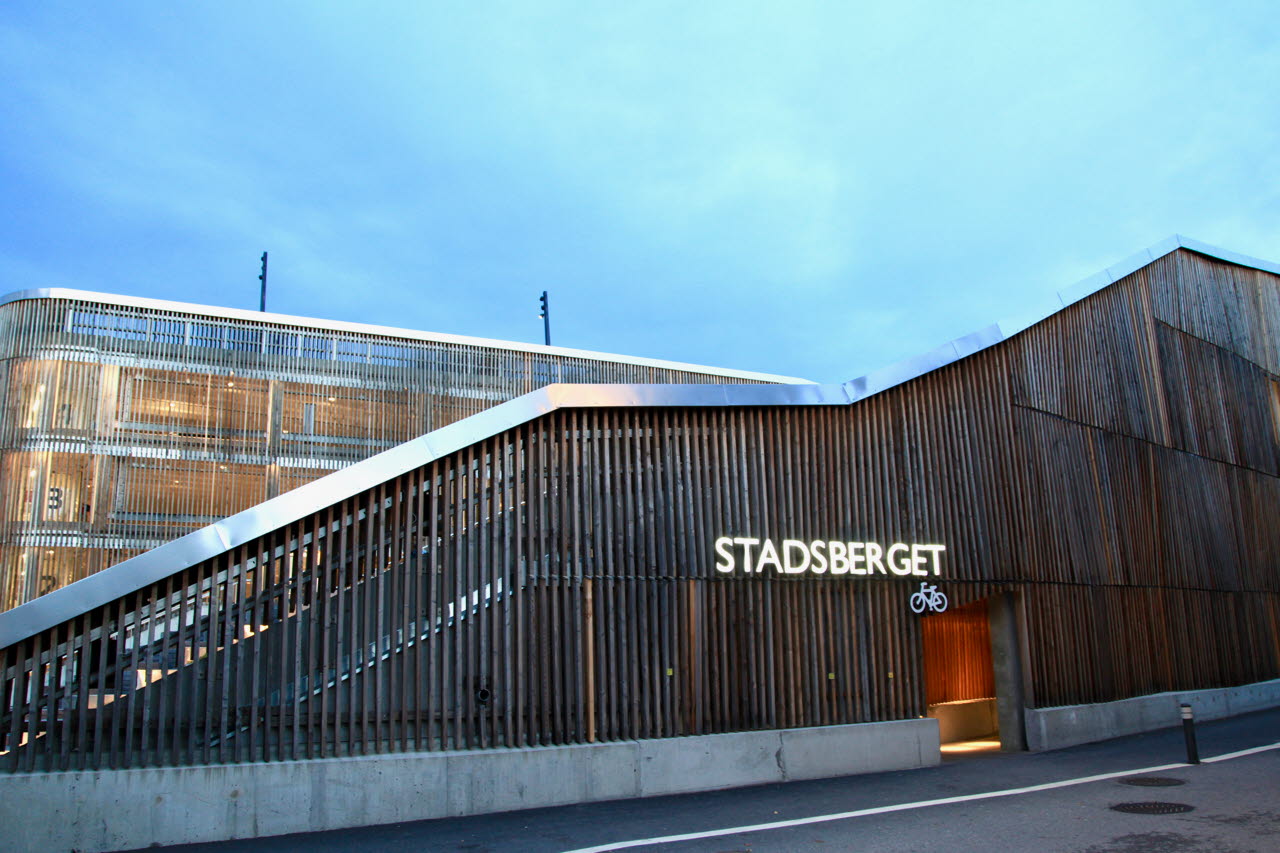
x=1189, y=732
x=262, y=276
x=545, y=314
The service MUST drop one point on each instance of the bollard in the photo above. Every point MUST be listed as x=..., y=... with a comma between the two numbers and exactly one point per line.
x=1189, y=732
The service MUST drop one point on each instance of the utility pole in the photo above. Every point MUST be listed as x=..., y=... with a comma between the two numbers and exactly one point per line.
x=545, y=313
x=262, y=276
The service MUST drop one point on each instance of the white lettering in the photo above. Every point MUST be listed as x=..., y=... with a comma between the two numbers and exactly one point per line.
x=816, y=547
x=769, y=554
x=788, y=546
x=874, y=552
x=839, y=562
x=898, y=567
x=917, y=561
x=936, y=549
x=856, y=558
x=722, y=551
x=795, y=557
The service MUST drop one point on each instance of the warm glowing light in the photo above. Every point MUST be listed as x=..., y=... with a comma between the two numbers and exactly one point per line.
x=332, y=399
x=231, y=384
x=33, y=473
x=971, y=746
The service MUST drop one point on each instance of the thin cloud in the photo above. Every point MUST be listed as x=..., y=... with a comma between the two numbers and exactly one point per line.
x=806, y=189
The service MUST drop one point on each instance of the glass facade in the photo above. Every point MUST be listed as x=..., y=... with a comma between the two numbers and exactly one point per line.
x=127, y=425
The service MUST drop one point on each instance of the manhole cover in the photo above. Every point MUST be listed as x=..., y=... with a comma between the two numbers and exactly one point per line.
x=1152, y=781
x=1152, y=808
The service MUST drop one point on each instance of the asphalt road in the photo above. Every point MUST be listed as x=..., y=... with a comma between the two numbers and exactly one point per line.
x=1235, y=807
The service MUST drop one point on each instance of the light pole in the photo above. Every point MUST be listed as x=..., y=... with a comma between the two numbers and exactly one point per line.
x=545, y=313
x=262, y=276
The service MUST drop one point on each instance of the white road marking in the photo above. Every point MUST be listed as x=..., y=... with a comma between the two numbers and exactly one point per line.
x=1241, y=753
x=803, y=821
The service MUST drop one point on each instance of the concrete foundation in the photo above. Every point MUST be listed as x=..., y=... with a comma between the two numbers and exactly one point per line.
x=124, y=809
x=965, y=720
x=1055, y=728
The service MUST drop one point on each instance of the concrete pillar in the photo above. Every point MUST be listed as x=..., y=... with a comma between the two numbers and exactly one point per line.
x=1006, y=661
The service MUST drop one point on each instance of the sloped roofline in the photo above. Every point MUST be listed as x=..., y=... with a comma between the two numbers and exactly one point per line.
x=161, y=562
x=343, y=326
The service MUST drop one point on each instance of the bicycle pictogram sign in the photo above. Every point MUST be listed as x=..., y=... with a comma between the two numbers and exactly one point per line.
x=928, y=597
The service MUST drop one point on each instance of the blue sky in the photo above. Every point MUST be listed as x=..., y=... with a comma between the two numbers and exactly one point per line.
x=813, y=189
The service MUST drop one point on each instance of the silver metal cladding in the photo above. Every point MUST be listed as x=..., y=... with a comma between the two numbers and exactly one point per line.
x=385, y=331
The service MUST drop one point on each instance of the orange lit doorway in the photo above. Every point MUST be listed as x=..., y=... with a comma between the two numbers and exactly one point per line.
x=960, y=688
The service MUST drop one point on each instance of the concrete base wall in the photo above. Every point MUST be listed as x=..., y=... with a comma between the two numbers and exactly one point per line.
x=965, y=720
x=124, y=809
x=1055, y=728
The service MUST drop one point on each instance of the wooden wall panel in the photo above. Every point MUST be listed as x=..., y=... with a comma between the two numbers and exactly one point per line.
x=1219, y=403
x=1105, y=642
x=957, y=655
x=1233, y=307
x=1065, y=367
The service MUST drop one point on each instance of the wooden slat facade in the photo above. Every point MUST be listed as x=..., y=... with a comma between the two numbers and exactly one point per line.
x=957, y=655
x=1113, y=466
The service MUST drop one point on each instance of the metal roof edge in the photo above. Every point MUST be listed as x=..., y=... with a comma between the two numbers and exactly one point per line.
x=385, y=331
x=926, y=362
x=1226, y=255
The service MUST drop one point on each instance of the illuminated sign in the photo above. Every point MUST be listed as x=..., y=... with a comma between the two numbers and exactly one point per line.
x=928, y=597
x=794, y=557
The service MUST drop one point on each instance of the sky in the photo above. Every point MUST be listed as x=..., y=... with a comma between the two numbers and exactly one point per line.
x=809, y=189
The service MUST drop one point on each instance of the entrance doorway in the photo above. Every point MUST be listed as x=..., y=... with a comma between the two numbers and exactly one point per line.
x=960, y=688
x=974, y=675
